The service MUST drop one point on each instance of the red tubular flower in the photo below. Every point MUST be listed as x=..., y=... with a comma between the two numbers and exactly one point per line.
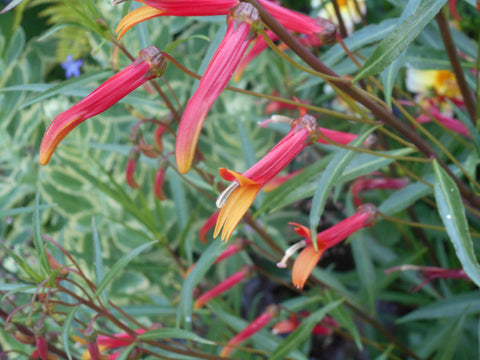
x=149, y=64
x=383, y=182
x=235, y=200
x=292, y=20
x=447, y=121
x=158, y=184
x=225, y=285
x=452, y=6
x=300, y=23
x=54, y=264
x=157, y=137
x=340, y=137
x=276, y=106
x=242, y=23
x=207, y=226
x=232, y=249
x=130, y=169
x=285, y=326
x=255, y=326
x=156, y=8
x=42, y=347
x=94, y=351
x=104, y=343
x=430, y=273
x=307, y=260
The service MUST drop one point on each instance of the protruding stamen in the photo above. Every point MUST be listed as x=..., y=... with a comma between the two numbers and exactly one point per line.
x=289, y=252
x=225, y=194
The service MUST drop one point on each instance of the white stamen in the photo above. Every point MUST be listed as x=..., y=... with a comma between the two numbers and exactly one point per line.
x=116, y=2
x=225, y=194
x=290, y=251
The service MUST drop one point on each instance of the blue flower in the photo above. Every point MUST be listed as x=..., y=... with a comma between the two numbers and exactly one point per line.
x=72, y=67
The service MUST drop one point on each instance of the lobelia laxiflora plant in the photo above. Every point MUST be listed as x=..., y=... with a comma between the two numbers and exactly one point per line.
x=404, y=149
x=150, y=64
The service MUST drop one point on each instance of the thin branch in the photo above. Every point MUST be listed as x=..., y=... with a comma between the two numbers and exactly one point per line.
x=455, y=62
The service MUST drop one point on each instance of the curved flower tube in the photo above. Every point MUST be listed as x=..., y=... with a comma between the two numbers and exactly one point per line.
x=243, y=21
x=150, y=64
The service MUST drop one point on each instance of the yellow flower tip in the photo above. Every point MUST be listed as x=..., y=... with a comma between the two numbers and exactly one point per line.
x=197, y=305
x=44, y=157
x=304, y=265
x=56, y=132
x=226, y=351
x=136, y=16
x=184, y=161
x=235, y=206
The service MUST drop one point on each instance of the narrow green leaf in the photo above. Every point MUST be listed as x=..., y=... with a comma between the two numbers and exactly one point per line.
x=452, y=212
x=173, y=333
x=394, y=44
x=55, y=28
x=247, y=146
x=120, y=264
x=67, y=325
x=386, y=354
x=212, y=48
x=68, y=85
x=438, y=336
x=23, y=265
x=303, y=332
x=429, y=58
x=330, y=178
x=363, y=164
x=389, y=76
x=23, y=210
x=452, y=306
x=403, y=198
x=37, y=237
x=447, y=347
x=410, y=8
x=345, y=318
x=364, y=266
x=10, y=289
x=184, y=310
x=126, y=352
x=15, y=46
